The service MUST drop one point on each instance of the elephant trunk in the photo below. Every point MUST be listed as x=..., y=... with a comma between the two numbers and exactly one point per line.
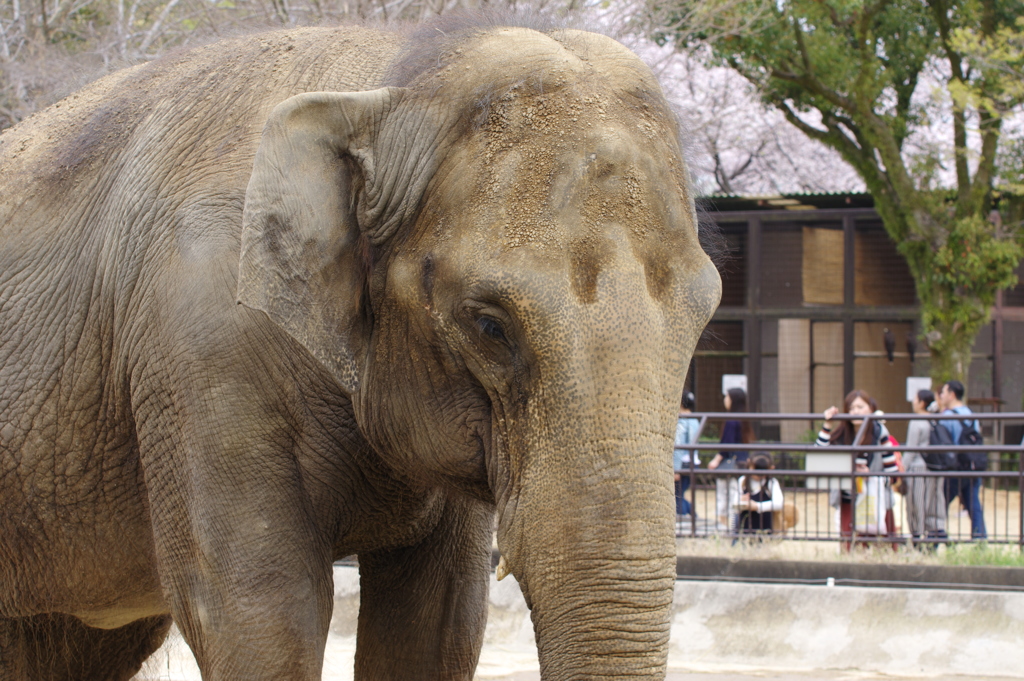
x=591, y=541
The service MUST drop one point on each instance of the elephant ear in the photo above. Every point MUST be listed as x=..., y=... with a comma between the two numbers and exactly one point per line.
x=303, y=258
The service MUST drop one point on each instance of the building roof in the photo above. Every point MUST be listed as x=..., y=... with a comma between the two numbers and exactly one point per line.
x=723, y=203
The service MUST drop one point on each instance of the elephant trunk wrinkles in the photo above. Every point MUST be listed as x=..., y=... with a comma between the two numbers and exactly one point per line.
x=599, y=566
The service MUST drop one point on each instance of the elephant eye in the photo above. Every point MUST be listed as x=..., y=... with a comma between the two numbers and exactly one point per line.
x=491, y=328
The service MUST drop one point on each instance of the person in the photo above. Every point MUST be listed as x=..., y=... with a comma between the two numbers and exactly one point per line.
x=860, y=403
x=733, y=432
x=756, y=497
x=925, y=497
x=686, y=433
x=950, y=399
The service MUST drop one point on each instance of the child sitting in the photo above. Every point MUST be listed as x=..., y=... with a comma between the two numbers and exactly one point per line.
x=756, y=497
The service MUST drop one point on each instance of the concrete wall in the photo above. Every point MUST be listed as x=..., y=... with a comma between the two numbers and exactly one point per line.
x=720, y=626
x=905, y=632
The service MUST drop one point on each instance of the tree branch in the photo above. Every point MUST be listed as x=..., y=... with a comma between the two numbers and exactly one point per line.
x=746, y=164
x=154, y=30
x=832, y=136
x=721, y=177
x=810, y=81
x=940, y=12
x=816, y=87
x=981, y=188
x=836, y=21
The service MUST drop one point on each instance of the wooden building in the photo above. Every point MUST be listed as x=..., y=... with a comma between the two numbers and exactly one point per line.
x=812, y=286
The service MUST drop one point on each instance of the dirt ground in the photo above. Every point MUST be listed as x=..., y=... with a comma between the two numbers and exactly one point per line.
x=838, y=675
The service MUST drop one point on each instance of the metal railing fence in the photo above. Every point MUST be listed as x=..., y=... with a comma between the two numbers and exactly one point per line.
x=818, y=495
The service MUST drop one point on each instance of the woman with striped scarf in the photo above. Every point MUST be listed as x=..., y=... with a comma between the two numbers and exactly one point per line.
x=859, y=403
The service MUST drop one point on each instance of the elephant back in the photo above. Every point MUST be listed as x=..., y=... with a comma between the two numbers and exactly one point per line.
x=190, y=118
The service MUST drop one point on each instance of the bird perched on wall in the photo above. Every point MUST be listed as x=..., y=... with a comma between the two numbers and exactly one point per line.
x=911, y=345
x=890, y=344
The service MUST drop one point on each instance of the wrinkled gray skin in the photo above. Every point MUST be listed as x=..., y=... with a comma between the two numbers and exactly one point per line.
x=245, y=335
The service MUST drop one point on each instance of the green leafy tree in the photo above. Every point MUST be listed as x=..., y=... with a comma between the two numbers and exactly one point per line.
x=853, y=74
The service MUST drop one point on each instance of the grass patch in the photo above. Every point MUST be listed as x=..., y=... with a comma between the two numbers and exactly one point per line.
x=983, y=554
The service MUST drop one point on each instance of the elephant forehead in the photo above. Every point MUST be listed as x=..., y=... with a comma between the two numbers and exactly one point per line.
x=582, y=182
x=572, y=170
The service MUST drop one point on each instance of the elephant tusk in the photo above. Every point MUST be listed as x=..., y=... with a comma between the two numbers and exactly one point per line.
x=502, y=570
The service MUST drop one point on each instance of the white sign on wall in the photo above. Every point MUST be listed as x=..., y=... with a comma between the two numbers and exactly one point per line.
x=915, y=383
x=734, y=381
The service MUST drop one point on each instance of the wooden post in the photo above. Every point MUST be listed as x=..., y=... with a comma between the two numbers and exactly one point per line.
x=849, y=299
x=752, y=325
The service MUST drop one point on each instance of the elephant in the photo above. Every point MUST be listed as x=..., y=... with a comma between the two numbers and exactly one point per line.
x=346, y=291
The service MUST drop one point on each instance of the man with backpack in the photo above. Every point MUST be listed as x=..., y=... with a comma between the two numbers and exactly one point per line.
x=963, y=431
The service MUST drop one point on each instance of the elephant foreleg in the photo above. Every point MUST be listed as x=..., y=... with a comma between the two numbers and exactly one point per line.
x=423, y=608
x=250, y=595
x=245, y=573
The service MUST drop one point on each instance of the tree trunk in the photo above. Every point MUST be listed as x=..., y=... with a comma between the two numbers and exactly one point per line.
x=951, y=355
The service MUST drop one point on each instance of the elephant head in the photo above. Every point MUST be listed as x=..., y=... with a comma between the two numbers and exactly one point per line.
x=497, y=256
